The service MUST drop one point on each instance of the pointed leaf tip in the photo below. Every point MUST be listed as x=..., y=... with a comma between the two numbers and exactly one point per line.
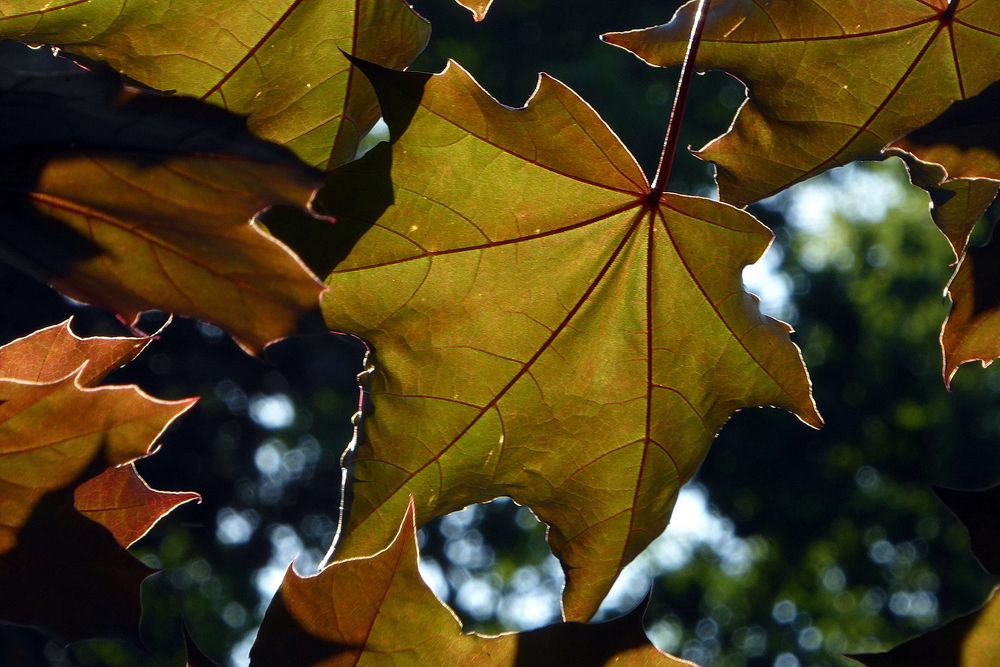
x=60, y=570
x=357, y=609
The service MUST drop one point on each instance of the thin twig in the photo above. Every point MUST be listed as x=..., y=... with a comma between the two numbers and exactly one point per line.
x=680, y=103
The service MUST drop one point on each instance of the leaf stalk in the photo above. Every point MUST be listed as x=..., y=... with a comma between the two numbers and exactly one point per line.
x=672, y=137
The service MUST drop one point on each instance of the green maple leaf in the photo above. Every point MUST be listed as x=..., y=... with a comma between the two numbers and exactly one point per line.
x=809, y=107
x=378, y=610
x=58, y=569
x=281, y=63
x=544, y=327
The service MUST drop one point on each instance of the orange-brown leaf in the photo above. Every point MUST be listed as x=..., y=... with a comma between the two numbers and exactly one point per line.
x=972, y=330
x=121, y=501
x=54, y=352
x=371, y=608
x=477, y=7
x=134, y=201
x=59, y=569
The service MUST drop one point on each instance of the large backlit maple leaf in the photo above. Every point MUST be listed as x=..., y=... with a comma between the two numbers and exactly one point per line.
x=830, y=82
x=59, y=569
x=281, y=63
x=378, y=609
x=544, y=327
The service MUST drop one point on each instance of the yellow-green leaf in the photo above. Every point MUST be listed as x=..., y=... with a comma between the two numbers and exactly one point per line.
x=281, y=63
x=377, y=610
x=830, y=82
x=543, y=327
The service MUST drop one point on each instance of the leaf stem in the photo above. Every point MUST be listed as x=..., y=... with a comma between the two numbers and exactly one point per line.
x=949, y=13
x=680, y=103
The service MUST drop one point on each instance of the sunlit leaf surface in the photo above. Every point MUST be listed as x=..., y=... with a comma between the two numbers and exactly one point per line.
x=972, y=331
x=281, y=63
x=58, y=569
x=121, y=501
x=477, y=7
x=377, y=610
x=830, y=81
x=543, y=328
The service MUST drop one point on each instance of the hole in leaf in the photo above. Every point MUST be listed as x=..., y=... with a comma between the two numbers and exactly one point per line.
x=491, y=564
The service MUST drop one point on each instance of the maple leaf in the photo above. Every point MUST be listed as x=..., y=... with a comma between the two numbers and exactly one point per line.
x=956, y=204
x=808, y=108
x=282, y=65
x=970, y=332
x=964, y=139
x=59, y=569
x=367, y=609
x=980, y=512
x=120, y=500
x=545, y=329
x=956, y=158
x=968, y=641
x=134, y=201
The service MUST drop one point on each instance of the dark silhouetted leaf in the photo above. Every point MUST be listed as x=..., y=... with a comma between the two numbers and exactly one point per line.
x=543, y=327
x=980, y=512
x=134, y=201
x=379, y=609
x=968, y=641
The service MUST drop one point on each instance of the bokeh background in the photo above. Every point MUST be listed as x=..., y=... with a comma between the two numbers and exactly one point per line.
x=789, y=548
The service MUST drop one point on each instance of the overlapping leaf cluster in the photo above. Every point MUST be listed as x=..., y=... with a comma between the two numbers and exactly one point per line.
x=546, y=324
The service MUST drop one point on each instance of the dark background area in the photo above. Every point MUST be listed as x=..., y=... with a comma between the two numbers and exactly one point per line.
x=851, y=550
